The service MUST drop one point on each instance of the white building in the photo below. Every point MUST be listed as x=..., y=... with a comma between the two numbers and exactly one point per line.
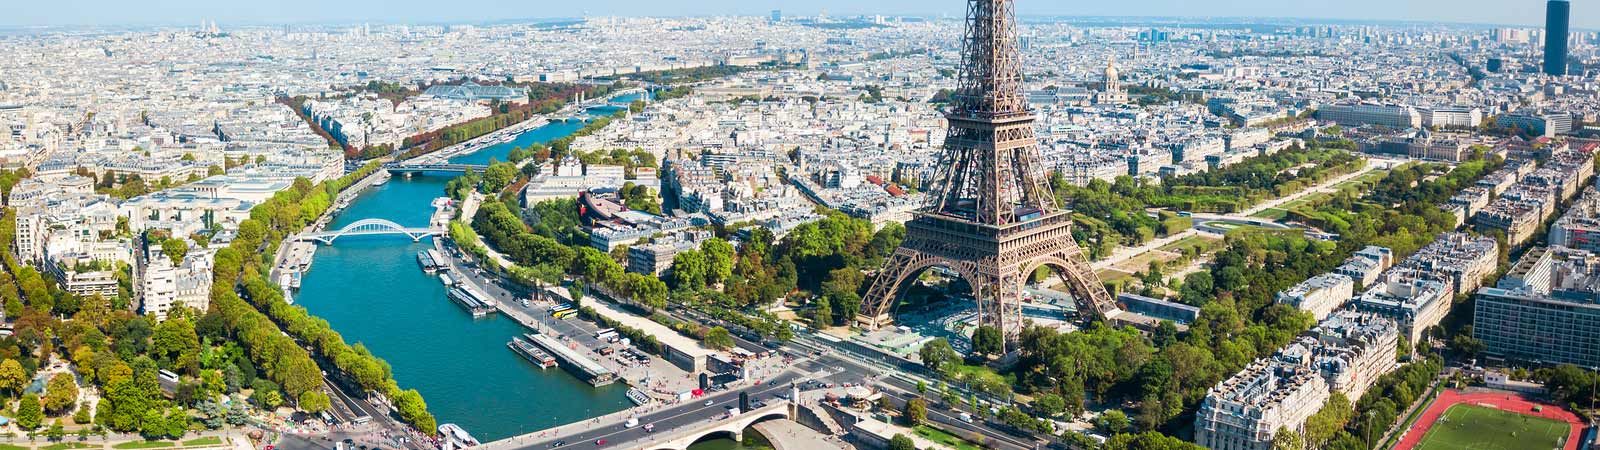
x=164, y=286
x=1392, y=116
x=1367, y=264
x=1349, y=349
x=1413, y=299
x=1319, y=295
x=1452, y=117
x=1245, y=412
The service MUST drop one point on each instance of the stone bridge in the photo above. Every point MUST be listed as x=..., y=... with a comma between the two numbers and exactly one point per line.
x=731, y=427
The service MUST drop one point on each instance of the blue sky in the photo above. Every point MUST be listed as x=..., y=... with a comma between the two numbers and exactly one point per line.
x=27, y=13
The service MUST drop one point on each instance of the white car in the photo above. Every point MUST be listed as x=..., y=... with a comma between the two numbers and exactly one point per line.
x=709, y=402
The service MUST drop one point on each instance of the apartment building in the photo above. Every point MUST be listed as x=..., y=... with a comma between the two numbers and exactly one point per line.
x=1545, y=310
x=1246, y=411
x=1366, y=265
x=1350, y=349
x=164, y=285
x=1466, y=259
x=1319, y=295
x=1579, y=228
x=1413, y=299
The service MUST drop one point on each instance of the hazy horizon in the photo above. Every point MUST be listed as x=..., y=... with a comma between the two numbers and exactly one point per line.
x=106, y=13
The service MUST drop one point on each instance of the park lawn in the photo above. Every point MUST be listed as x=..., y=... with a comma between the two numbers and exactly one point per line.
x=1273, y=214
x=208, y=440
x=1107, y=275
x=1472, y=427
x=12, y=447
x=1191, y=241
x=144, y=444
x=69, y=445
x=1303, y=201
x=941, y=437
x=1370, y=177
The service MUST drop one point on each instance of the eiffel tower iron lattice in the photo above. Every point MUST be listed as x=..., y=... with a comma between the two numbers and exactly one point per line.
x=990, y=217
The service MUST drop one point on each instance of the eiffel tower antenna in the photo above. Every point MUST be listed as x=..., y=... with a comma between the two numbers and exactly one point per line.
x=990, y=217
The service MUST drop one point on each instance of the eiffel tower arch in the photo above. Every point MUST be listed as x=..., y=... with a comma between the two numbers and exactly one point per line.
x=990, y=215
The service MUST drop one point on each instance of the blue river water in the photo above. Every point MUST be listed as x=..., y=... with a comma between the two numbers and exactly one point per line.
x=372, y=291
x=500, y=152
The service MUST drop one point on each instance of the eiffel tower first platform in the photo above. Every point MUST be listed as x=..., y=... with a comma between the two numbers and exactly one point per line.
x=991, y=218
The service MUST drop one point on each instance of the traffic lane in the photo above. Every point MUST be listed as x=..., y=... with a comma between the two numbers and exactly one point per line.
x=944, y=417
x=937, y=410
x=666, y=420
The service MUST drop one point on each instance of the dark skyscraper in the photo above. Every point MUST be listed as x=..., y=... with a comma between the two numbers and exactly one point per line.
x=1557, y=14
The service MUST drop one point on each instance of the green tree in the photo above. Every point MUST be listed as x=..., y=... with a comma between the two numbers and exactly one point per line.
x=271, y=399
x=901, y=442
x=847, y=304
x=719, y=259
x=988, y=340
x=12, y=377
x=937, y=355
x=30, y=414
x=175, y=340
x=690, y=270
x=314, y=402
x=81, y=415
x=414, y=411
x=916, y=412
x=719, y=338
x=822, y=313
x=60, y=393
x=1112, y=422
x=1285, y=439
x=498, y=176
x=175, y=249
x=1049, y=405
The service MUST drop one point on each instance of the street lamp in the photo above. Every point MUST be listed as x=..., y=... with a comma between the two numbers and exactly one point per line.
x=1369, y=428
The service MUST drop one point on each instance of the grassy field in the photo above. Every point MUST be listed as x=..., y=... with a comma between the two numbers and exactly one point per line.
x=145, y=444
x=1191, y=241
x=1369, y=177
x=208, y=440
x=939, y=436
x=69, y=445
x=1270, y=214
x=1105, y=275
x=1471, y=427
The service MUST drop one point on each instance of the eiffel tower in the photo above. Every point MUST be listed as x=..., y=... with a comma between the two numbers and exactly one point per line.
x=990, y=217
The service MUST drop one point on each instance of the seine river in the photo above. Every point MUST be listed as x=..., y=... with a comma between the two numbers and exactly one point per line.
x=372, y=291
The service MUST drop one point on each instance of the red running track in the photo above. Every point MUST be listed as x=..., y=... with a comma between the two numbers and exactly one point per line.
x=1502, y=401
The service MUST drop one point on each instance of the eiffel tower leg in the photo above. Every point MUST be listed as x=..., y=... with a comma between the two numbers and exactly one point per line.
x=1000, y=305
x=1010, y=309
x=1085, y=284
x=881, y=297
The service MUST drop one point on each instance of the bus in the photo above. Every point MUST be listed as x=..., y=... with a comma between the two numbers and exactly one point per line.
x=603, y=334
x=557, y=311
x=565, y=314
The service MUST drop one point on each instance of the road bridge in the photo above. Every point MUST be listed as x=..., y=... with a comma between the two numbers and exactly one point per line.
x=732, y=427
x=367, y=227
x=413, y=168
x=674, y=427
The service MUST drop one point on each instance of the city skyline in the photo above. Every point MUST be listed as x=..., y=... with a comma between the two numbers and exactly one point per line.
x=101, y=13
